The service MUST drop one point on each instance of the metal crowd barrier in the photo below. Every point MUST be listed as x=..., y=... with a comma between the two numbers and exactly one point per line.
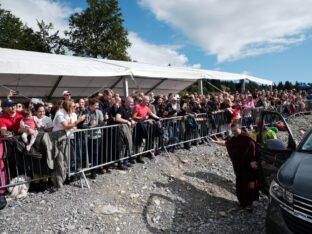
x=308, y=105
x=94, y=148
x=17, y=166
x=90, y=149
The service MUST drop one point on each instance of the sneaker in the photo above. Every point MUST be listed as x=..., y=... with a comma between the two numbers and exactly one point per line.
x=187, y=147
x=171, y=150
x=132, y=161
x=156, y=152
x=151, y=155
x=122, y=167
x=101, y=170
x=108, y=170
x=93, y=175
x=140, y=160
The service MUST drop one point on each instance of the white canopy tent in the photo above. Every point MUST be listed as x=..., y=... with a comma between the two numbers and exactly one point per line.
x=218, y=75
x=44, y=75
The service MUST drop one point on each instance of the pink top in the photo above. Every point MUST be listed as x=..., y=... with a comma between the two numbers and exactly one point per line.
x=30, y=122
x=247, y=108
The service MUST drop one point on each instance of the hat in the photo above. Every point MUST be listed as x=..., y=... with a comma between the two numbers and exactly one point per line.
x=66, y=92
x=8, y=103
x=36, y=101
x=177, y=97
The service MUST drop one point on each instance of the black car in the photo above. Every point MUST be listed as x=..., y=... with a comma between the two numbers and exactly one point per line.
x=288, y=170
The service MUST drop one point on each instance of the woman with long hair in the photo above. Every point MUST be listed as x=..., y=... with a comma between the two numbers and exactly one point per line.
x=66, y=118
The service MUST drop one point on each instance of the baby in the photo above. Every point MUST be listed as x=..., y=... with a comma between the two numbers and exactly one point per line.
x=28, y=122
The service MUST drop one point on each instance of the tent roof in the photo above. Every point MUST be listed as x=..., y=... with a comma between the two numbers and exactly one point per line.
x=218, y=75
x=37, y=74
x=154, y=71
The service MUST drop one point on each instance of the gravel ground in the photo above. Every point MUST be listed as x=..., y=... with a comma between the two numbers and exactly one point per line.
x=184, y=192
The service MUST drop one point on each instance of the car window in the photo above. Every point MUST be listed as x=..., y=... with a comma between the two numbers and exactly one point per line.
x=275, y=129
x=307, y=144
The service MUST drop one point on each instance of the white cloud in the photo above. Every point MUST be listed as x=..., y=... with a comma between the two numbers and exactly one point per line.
x=145, y=52
x=236, y=29
x=31, y=10
x=197, y=65
x=57, y=13
x=246, y=72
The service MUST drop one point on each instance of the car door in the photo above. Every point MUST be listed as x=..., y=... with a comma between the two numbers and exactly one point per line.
x=273, y=149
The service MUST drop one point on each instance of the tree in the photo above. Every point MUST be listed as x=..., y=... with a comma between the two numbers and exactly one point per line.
x=15, y=35
x=251, y=86
x=280, y=85
x=98, y=32
x=288, y=85
x=13, y=32
x=50, y=43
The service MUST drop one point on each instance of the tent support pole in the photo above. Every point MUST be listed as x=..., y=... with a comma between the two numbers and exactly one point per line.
x=242, y=86
x=125, y=87
x=116, y=83
x=220, y=90
x=189, y=86
x=200, y=87
x=156, y=85
x=55, y=86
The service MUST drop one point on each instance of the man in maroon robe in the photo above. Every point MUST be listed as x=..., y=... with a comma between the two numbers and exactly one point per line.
x=241, y=149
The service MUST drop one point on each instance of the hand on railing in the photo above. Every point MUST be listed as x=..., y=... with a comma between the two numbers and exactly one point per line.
x=7, y=135
x=106, y=117
x=81, y=118
x=129, y=123
x=254, y=165
x=165, y=113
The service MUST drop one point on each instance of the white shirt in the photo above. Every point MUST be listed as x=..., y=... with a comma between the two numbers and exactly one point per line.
x=45, y=121
x=60, y=117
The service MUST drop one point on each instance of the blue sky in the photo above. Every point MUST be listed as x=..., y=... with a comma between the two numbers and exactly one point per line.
x=261, y=38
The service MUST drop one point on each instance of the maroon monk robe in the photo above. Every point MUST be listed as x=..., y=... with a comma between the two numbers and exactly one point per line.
x=241, y=150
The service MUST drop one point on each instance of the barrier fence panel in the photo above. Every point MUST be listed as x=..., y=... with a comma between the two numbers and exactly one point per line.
x=308, y=105
x=18, y=166
x=89, y=149
x=92, y=148
x=100, y=146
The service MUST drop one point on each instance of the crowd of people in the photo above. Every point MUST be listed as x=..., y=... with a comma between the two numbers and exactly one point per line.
x=31, y=118
x=107, y=108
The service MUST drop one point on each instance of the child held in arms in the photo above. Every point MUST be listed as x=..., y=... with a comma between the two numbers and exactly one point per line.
x=29, y=122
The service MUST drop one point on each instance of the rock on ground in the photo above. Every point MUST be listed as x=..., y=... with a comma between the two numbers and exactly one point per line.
x=187, y=192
